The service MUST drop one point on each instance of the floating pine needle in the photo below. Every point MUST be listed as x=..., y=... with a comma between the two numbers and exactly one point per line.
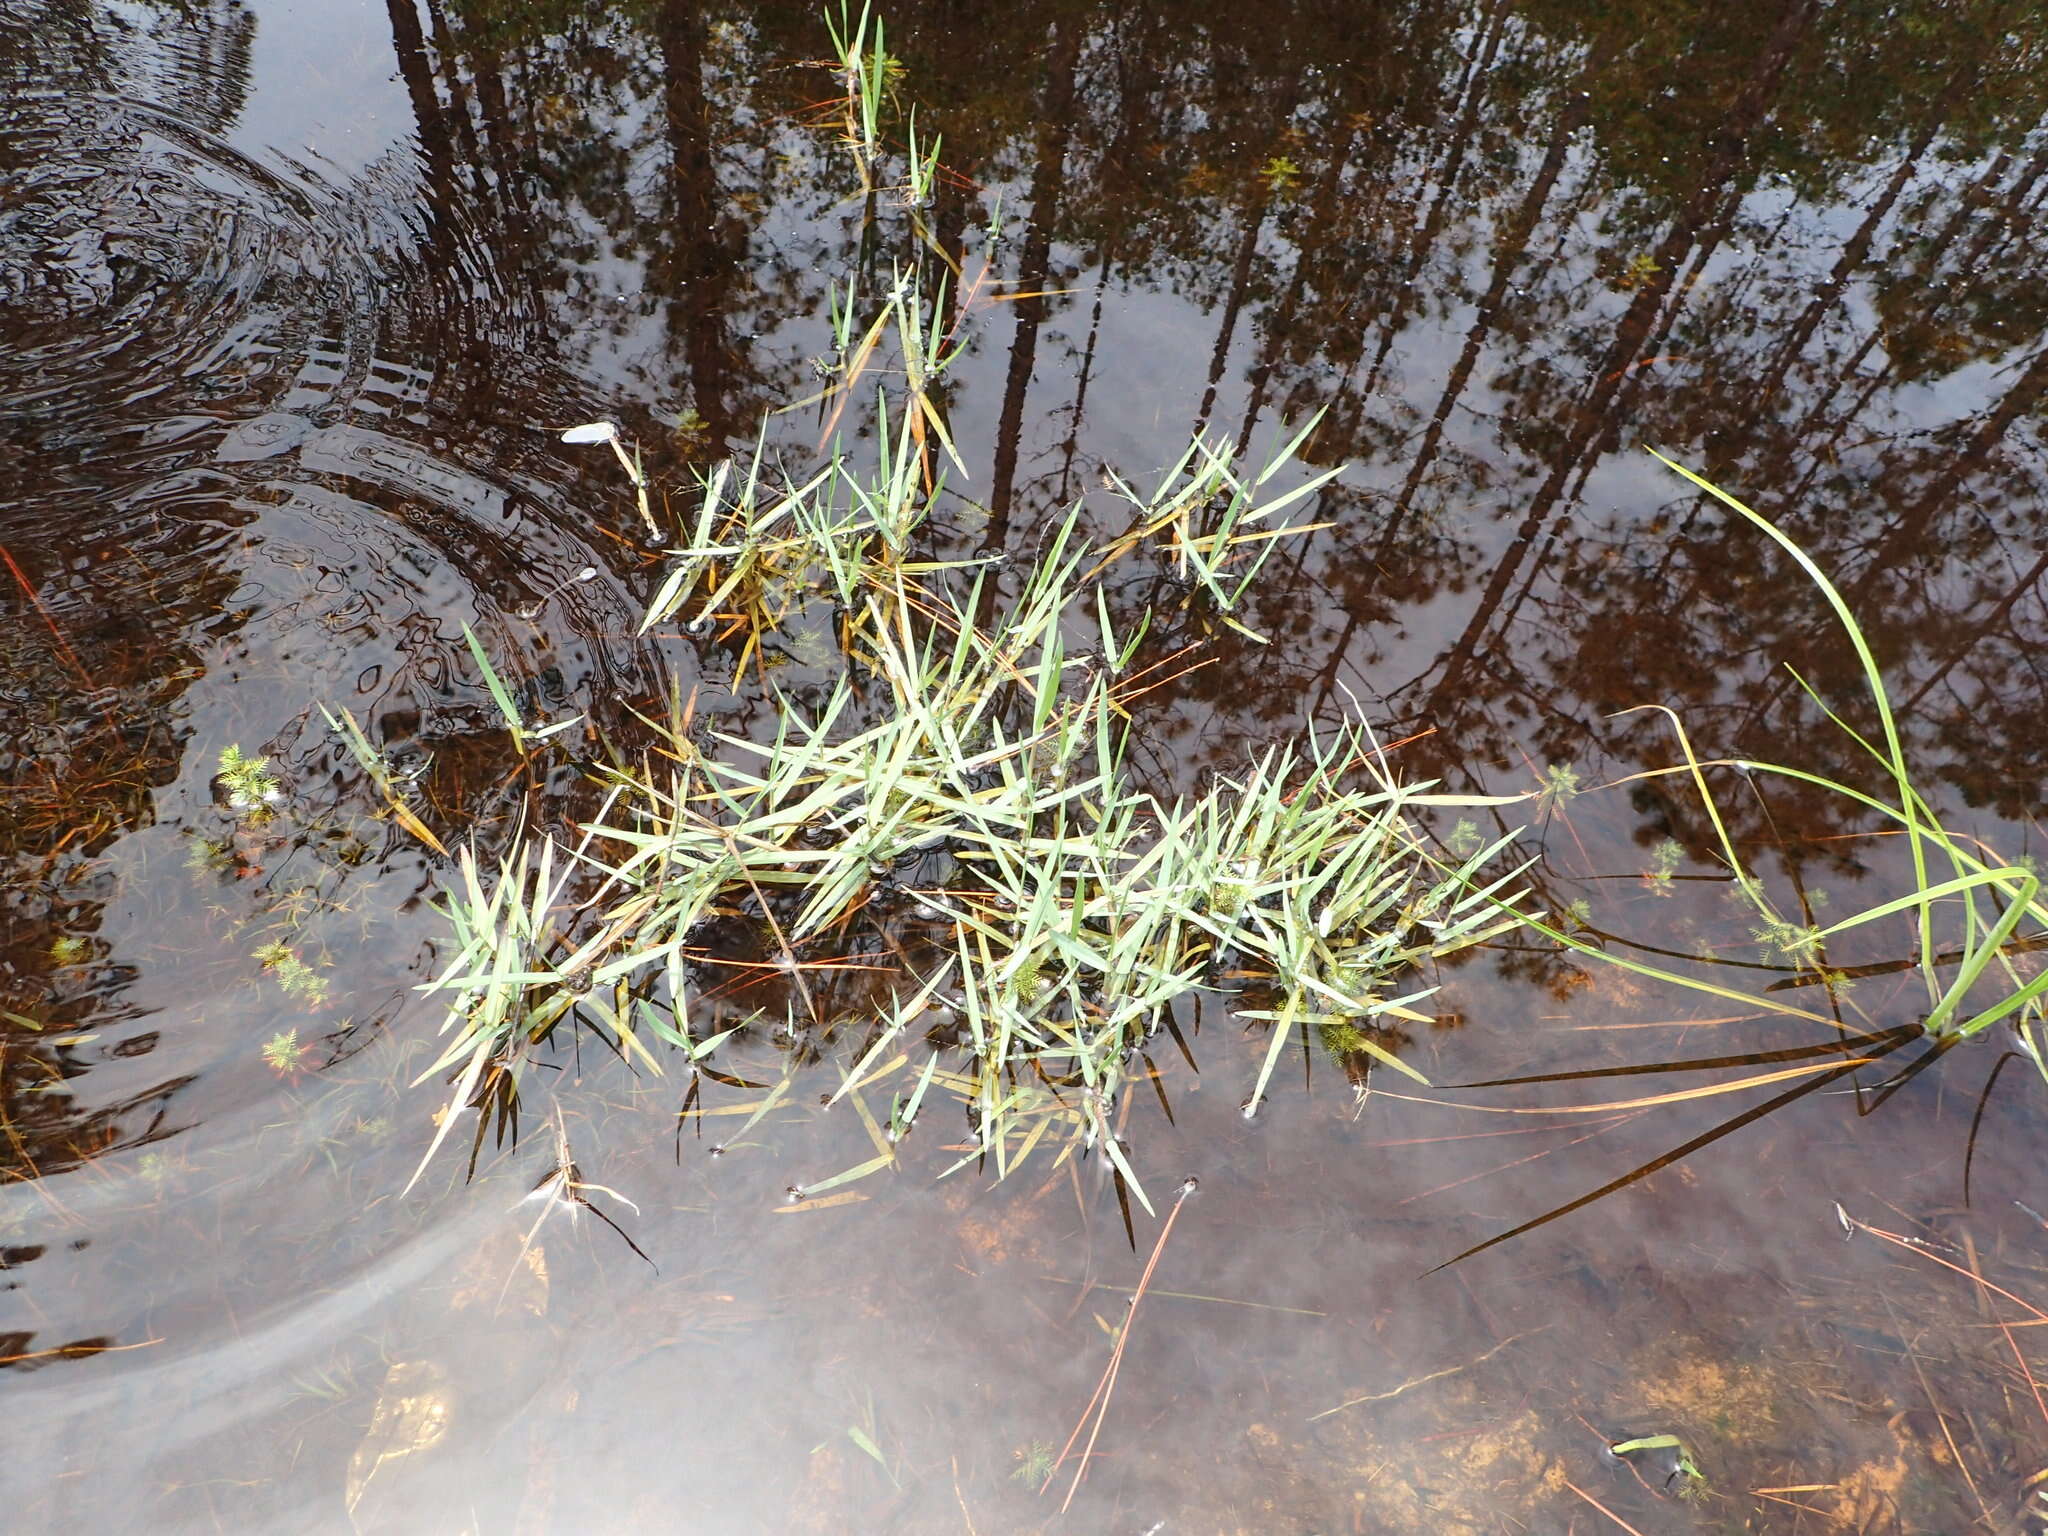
x=81, y=1349
x=1106, y=1387
x=1677, y=1096
x=1610, y=1514
x=56, y=634
x=1419, y=1381
x=1221, y=1301
x=1852, y=1226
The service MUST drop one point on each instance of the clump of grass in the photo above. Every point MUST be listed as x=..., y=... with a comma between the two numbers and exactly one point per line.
x=1064, y=913
x=868, y=74
x=958, y=802
x=1208, y=517
x=390, y=785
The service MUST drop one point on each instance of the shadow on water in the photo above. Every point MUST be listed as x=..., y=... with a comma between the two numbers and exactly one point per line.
x=289, y=304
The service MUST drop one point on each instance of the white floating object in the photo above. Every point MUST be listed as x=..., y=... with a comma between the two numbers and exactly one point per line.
x=592, y=432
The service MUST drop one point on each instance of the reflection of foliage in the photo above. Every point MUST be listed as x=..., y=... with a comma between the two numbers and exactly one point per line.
x=1676, y=131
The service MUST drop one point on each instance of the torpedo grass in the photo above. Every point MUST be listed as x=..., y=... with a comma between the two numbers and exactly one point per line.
x=959, y=804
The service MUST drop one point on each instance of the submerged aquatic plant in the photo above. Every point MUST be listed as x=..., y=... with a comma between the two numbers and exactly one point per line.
x=298, y=979
x=284, y=1055
x=1034, y=1462
x=1665, y=857
x=250, y=785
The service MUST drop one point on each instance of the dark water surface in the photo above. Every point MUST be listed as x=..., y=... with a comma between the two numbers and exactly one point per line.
x=289, y=297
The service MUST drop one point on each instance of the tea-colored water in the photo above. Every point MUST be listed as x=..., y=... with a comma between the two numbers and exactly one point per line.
x=290, y=298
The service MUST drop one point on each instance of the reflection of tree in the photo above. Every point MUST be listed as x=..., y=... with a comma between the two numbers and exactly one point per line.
x=1048, y=182
x=706, y=252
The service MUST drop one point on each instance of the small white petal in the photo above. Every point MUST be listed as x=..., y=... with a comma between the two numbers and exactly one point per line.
x=592, y=432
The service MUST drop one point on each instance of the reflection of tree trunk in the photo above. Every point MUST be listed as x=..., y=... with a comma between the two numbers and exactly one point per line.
x=1830, y=292
x=1323, y=207
x=488, y=74
x=1240, y=282
x=1425, y=234
x=213, y=87
x=499, y=234
x=1969, y=201
x=1076, y=411
x=458, y=99
x=1978, y=631
x=696, y=269
x=436, y=148
x=1715, y=197
x=1912, y=533
x=1254, y=218
x=1854, y=253
x=449, y=230
x=949, y=234
x=1048, y=180
x=1512, y=245
x=512, y=272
